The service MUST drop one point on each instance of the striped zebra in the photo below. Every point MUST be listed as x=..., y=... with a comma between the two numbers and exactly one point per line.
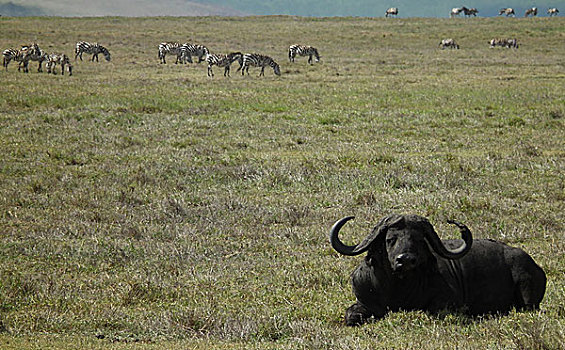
x=188, y=50
x=91, y=48
x=37, y=54
x=552, y=11
x=393, y=11
x=21, y=56
x=507, y=11
x=508, y=43
x=302, y=50
x=531, y=12
x=172, y=48
x=61, y=59
x=448, y=43
x=257, y=60
x=223, y=61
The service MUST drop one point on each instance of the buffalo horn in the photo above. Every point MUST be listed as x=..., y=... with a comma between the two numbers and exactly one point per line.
x=442, y=250
x=350, y=250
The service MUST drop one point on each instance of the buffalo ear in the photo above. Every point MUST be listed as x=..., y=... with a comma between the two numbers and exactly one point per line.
x=379, y=232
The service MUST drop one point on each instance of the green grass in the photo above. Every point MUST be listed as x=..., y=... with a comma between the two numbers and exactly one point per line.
x=149, y=204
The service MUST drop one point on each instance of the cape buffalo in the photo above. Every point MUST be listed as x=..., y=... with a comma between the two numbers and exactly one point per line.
x=408, y=267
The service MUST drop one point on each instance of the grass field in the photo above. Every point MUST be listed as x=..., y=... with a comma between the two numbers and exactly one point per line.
x=149, y=204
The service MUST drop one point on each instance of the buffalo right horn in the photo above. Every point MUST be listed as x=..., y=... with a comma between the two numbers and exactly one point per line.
x=357, y=249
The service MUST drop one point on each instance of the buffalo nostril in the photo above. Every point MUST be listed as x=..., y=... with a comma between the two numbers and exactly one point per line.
x=404, y=259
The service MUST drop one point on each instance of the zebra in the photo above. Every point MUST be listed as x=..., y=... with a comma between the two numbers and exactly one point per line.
x=172, y=48
x=22, y=56
x=257, y=60
x=223, y=61
x=94, y=49
x=189, y=50
x=531, y=12
x=302, y=50
x=552, y=11
x=37, y=54
x=61, y=59
x=472, y=11
x=509, y=43
x=456, y=11
x=391, y=11
x=448, y=43
x=10, y=55
x=507, y=11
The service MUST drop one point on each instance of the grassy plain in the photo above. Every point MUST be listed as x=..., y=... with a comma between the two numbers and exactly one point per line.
x=149, y=204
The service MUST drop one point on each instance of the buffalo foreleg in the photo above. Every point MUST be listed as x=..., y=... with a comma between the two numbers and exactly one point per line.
x=357, y=315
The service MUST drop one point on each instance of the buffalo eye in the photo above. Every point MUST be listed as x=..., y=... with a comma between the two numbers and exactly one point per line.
x=390, y=240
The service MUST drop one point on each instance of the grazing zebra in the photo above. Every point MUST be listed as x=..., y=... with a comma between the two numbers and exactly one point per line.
x=257, y=60
x=508, y=43
x=472, y=11
x=37, y=54
x=172, y=48
x=531, y=12
x=22, y=56
x=448, y=43
x=94, y=49
x=507, y=11
x=552, y=11
x=61, y=59
x=189, y=50
x=223, y=61
x=393, y=11
x=13, y=55
x=302, y=50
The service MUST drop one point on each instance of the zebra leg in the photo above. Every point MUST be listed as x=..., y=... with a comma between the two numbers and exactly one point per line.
x=310, y=59
x=39, y=70
x=262, y=71
x=210, y=73
x=62, y=69
x=227, y=71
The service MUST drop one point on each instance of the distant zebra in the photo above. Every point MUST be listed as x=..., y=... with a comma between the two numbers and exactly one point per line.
x=507, y=11
x=393, y=11
x=508, y=43
x=37, y=54
x=172, y=48
x=10, y=55
x=552, y=11
x=61, y=59
x=448, y=43
x=223, y=61
x=257, y=60
x=531, y=12
x=189, y=50
x=302, y=50
x=21, y=56
x=456, y=11
x=91, y=48
x=472, y=11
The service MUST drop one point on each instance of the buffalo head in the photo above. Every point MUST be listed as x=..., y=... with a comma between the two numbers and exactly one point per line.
x=404, y=239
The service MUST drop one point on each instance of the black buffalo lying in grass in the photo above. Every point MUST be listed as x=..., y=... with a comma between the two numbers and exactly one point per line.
x=408, y=267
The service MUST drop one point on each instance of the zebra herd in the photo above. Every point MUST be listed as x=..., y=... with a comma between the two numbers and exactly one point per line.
x=508, y=11
x=185, y=52
x=508, y=43
x=33, y=52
